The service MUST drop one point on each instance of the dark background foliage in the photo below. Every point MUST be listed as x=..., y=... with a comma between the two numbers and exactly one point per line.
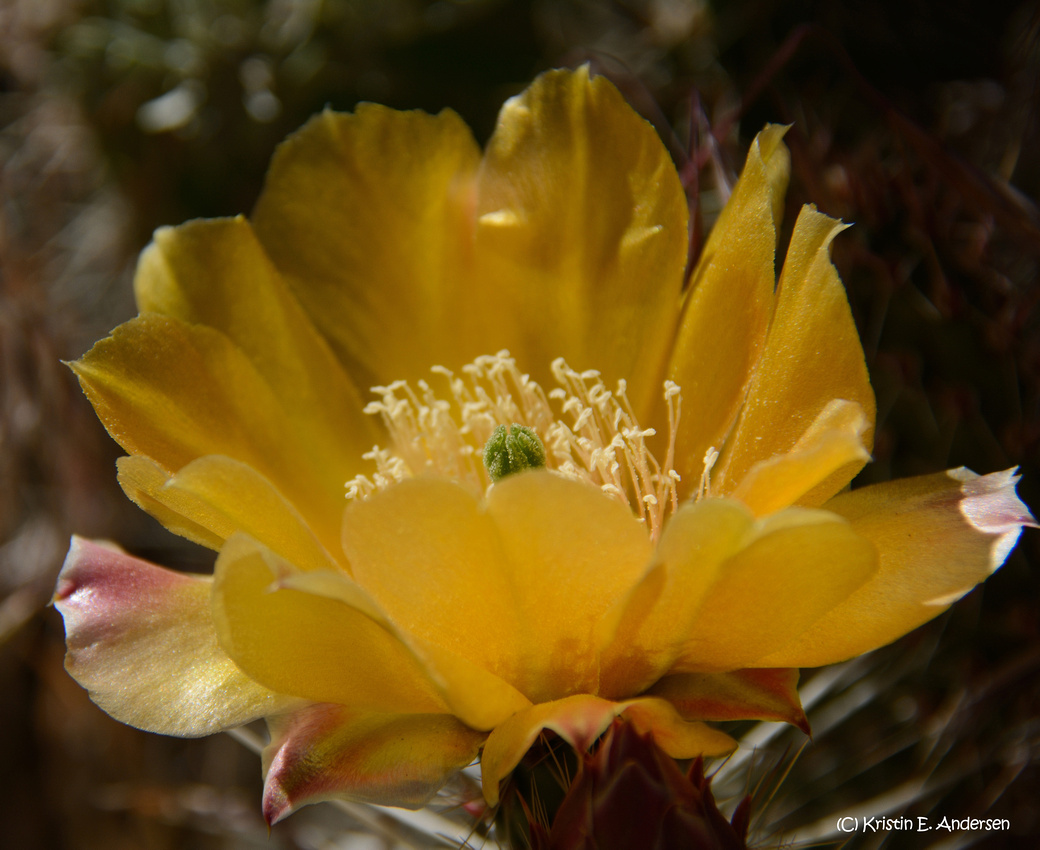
x=917, y=121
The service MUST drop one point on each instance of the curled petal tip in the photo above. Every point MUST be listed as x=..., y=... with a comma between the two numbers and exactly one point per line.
x=83, y=557
x=276, y=805
x=992, y=506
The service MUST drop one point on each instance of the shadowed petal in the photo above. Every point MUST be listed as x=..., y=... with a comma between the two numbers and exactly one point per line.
x=516, y=586
x=727, y=310
x=428, y=539
x=937, y=536
x=572, y=551
x=648, y=626
x=812, y=356
x=215, y=273
x=763, y=694
x=724, y=589
x=580, y=719
x=581, y=227
x=140, y=638
x=324, y=752
x=369, y=217
x=476, y=695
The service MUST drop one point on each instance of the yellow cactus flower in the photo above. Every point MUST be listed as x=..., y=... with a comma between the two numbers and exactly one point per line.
x=578, y=489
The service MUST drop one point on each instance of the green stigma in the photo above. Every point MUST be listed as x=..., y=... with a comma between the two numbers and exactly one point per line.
x=512, y=451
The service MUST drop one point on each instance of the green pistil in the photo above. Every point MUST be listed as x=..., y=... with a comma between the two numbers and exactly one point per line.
x=513, y=450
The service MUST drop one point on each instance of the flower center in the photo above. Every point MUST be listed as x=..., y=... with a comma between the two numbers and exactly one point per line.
x=589, y=433
x=512, y=450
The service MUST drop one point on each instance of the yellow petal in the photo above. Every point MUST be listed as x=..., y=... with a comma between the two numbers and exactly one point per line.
x=369, y=218
x=762, y=694
x=581, y=234
x=433, y=559
x=311, y=646
x=215, y=273
x=176, y=392
x=571, y=552
x=727, y=310
x=142, y=479
x=141, y=640
x=937, y=536
x=812, y=356
x=647, y=628
x=213, y=497
x=476, y=696
x=833, y=442
x=327, y=752
x=322, y=636
x=534, y=571
x=580, y=719
x=795, y=567
x=480, y=698
x=681, y=739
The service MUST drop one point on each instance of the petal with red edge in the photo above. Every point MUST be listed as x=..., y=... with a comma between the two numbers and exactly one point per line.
x=680, y=738
x=937, y=537
x=756, y=694
x=140, y=638
x=324, y=752
x=579, y=719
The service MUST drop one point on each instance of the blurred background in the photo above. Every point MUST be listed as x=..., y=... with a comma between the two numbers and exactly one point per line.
x=917, y=121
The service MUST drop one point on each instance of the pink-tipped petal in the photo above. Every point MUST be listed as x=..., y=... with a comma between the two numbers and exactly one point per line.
x=992, y=507
x=937, y=537
x=324, y=752
x=141, y=639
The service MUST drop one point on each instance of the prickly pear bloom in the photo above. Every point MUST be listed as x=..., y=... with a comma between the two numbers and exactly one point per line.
x=577, y=489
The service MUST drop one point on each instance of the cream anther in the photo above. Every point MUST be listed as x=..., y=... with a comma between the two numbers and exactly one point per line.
x=590, y=433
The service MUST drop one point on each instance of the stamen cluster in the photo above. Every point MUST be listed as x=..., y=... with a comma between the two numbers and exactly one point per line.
x=590, y=433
